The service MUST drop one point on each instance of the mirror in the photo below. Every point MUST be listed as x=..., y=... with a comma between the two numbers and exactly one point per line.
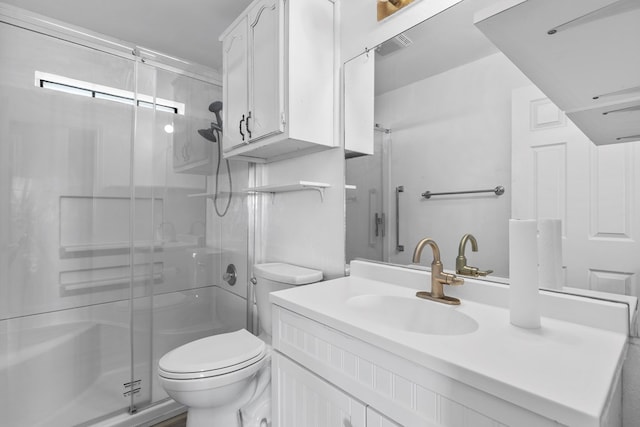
x=450, y=111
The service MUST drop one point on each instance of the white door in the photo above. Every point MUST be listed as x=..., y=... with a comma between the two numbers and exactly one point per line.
x=234, y=87
x=266, y=59
x=300, y=398
x=557, y=172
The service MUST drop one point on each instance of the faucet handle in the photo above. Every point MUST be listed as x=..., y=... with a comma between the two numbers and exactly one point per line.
x=452, y=279
x=473, y=271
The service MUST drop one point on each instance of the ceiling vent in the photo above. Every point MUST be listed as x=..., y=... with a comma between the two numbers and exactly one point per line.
x=393, y=45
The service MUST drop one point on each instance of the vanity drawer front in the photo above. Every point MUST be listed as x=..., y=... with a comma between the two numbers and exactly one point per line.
x=406, y=393
x=376, y=419
x=302, y=399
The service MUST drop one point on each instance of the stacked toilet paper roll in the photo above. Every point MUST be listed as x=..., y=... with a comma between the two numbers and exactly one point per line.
x=550, y=274
x=524, y=297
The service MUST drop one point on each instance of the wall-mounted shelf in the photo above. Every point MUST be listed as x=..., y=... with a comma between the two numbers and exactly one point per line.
x=295, y=186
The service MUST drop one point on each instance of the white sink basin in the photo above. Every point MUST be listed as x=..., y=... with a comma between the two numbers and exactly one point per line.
x=412, y=315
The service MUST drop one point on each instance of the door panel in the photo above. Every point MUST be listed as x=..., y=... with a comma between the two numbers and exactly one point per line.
x=234, y=87
x=303, y=399
x=557, y=172
x=266, y=35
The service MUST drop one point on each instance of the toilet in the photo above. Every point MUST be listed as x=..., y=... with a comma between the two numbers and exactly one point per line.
x=224, y=380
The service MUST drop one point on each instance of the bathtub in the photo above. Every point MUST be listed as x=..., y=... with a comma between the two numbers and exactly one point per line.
x=74, y=373
x=44, y=369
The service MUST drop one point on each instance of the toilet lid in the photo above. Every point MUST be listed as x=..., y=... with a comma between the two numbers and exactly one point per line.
x=287, y=273
x=214, y=355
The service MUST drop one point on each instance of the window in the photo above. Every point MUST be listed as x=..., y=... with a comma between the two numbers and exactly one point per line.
x=91, y=90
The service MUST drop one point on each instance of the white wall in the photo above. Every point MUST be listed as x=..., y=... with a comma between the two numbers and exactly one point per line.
x=298, y=227
x=227, y=236
x=452, y=132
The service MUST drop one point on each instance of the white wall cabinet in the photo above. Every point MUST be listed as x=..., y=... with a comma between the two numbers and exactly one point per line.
x=359, y=94
x=235, y=85
x=278, y=80
x=582, y=54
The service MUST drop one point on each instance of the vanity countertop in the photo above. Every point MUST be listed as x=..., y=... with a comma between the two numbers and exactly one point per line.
x=564, y=370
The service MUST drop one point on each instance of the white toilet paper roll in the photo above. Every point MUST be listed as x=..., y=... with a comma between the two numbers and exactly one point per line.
x=524, y=297
x=550, y=254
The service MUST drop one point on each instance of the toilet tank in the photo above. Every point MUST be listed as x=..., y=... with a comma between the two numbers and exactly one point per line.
x=276, y=276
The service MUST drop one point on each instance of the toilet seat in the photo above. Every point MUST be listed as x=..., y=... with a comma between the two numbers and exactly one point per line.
x=212, y=356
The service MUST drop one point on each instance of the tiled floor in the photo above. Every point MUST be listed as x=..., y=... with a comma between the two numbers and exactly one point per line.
x=177, y=421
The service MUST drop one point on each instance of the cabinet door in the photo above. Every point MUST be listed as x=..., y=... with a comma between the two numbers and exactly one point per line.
x=266, y=64
x=359, y=94
x=376, y=419
x=234, y=86
x=300, y=398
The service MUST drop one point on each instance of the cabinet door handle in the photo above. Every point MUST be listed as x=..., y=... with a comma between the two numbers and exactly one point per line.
x=248, y=130
x=240, y=127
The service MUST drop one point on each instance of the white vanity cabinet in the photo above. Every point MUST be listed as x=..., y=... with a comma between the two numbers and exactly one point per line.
x=278, y=80
x=395, y=391
x=373, y=343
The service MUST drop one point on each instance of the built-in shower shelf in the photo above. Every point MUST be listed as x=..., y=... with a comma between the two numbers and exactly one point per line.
x=207, y=250
x=116, y=248
x=82, y=287
x=295, y=186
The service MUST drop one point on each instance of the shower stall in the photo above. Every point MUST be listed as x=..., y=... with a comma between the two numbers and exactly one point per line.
x=111, y=251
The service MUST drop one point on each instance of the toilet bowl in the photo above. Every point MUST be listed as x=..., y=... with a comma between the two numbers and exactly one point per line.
x=224, y=380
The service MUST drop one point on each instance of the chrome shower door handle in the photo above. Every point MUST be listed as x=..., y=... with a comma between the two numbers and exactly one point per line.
x=379, y=222
x=399, y=247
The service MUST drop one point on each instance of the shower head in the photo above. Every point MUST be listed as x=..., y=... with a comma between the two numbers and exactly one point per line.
x=215, y=108
x=208, y=134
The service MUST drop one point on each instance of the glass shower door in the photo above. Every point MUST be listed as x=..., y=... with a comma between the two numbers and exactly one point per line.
x=366, y=203
x=66, y=121
x=111, y=251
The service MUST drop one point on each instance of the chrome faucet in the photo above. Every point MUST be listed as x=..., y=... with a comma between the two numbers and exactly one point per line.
x=438, y=277
x=461, y=260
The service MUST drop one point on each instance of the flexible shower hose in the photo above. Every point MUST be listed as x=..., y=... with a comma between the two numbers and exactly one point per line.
x=216, y=192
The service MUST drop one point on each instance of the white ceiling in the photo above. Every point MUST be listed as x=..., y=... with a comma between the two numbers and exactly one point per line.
x=446, y=41
x=189, y=29
x=186, y=29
